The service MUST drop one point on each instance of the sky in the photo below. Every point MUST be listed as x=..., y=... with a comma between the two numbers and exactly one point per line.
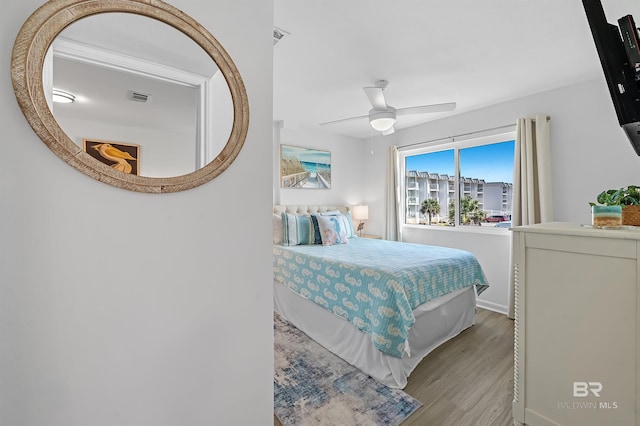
x=493, y=163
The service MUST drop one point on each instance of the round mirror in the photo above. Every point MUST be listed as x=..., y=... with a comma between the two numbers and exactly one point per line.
x=128, y=81
x=153, y=101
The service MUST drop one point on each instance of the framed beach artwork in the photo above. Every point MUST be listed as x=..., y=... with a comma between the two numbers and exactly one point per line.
x=306, y=168
x=121, y=156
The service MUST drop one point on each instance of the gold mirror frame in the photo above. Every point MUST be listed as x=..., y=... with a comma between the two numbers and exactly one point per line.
x=30, y=48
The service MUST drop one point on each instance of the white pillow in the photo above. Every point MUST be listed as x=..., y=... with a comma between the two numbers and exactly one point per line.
x=277, y=228
x=331, y=230
x=330, y=213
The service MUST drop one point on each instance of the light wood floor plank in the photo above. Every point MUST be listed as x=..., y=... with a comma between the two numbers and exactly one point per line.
x=468, y=380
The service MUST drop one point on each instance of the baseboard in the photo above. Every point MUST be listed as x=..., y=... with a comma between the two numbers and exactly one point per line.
x=501, y=309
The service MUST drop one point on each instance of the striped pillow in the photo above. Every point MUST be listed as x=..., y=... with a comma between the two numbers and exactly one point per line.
x=351, y=231
x=297, y=230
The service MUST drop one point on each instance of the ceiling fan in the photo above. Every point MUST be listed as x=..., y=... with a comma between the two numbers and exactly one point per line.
x=382, y=116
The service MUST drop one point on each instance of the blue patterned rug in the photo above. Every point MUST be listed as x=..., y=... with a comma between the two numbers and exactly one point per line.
x=312, y=386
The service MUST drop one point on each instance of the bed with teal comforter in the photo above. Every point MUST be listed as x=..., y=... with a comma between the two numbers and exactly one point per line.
x=376, y=284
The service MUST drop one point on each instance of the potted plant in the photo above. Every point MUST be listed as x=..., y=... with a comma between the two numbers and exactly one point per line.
x=628, y=198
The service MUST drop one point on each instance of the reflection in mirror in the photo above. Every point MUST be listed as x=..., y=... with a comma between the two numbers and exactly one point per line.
x=138, y=81
x=32, y=75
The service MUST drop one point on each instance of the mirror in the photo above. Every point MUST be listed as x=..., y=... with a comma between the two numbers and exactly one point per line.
x=136, y=80
x=203, y=115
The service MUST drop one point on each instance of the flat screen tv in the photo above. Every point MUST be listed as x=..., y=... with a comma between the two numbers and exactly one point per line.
x=617, y=48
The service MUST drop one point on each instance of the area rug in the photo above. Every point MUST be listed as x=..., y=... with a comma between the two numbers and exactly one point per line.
x=312, y=386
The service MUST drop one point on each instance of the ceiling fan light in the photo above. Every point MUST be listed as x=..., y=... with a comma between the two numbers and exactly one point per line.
x=382, y=120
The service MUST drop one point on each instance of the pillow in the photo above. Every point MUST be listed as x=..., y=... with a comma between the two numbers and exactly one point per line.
x=317, y=239
x=297, y=230
x=345, y=221
x=351, y=231
x=331, y=230
x=276, y=224
x=330, y=213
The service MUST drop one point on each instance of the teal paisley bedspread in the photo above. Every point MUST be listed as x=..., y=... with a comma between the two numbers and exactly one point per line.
x=375, y=284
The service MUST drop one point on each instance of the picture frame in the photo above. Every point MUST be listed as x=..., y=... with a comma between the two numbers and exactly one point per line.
x=305, y=168
x=124, y=157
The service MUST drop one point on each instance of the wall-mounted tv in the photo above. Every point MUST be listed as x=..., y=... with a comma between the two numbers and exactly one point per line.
x=619, y=54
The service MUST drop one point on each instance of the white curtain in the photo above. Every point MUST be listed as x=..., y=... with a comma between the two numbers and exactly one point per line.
x=392, y=202
x=532, y=200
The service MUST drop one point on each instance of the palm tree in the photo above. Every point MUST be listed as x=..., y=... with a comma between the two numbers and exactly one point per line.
x=429, y=207
x=470, y=210
x=452, y=212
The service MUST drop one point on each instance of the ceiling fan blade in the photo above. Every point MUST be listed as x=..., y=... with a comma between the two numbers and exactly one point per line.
x=450, y=106
x=344, y=120
x=376, y=98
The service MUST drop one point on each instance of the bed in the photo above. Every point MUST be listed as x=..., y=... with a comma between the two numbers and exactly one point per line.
x=380, y=305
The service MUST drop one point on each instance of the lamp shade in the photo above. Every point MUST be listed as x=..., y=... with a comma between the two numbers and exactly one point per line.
x=360, y=212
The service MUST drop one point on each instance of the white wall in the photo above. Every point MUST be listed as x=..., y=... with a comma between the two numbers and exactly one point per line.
x=346, y=168
x=589, y=153
x=120, y=308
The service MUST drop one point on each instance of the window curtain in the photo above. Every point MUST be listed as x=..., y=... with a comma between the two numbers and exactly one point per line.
x=532, y=201
x=392, y=226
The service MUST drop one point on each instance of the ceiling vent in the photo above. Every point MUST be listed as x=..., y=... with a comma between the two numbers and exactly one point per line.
x=138, y=97
x=279, y=34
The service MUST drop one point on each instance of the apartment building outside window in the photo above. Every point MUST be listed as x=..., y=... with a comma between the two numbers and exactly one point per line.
x=462, y=183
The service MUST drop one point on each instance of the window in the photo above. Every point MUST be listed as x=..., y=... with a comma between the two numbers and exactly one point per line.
x=464, y=183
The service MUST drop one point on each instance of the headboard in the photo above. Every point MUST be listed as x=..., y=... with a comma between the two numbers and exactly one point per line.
x=307, y=209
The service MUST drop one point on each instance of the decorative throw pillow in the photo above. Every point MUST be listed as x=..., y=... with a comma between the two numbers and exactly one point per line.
x=351, y=232
x=345, y=221
x=297, y=230
x=331, y=231
x=317, y=239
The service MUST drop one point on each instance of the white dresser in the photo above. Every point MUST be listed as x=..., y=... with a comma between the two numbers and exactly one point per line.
x=576, y=327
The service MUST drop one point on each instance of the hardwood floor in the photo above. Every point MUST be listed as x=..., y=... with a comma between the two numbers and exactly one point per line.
x=468, y=380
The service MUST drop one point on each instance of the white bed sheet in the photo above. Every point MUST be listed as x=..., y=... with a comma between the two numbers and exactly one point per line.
x=436, y=322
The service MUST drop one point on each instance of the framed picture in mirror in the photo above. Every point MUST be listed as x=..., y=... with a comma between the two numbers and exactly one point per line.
x=120, y=156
